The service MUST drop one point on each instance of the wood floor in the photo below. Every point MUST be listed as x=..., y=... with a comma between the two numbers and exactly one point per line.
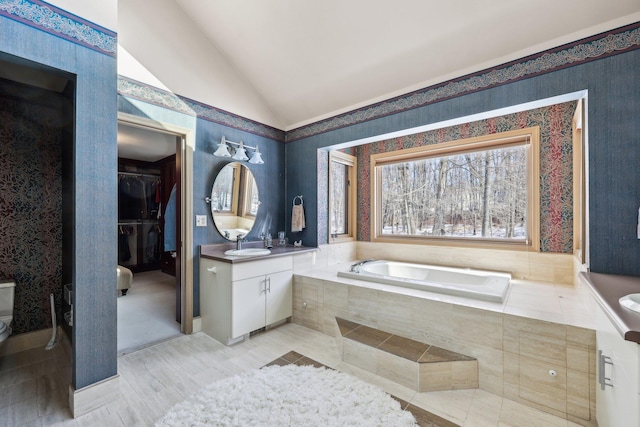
x=34, y=384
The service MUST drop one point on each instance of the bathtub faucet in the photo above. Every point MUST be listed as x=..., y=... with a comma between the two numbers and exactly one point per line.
x=355, y=268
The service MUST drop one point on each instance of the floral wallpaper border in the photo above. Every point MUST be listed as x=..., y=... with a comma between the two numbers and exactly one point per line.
x=150, y=94
x=589, y=49
x=556, y=167
x=55, y=21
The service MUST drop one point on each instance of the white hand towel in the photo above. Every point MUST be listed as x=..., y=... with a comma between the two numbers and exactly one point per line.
x=297, y=218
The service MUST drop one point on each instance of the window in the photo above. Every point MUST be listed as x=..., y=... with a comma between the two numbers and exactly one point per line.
x=225, y=191
x=226, y=196
x=251, y=196
x=342, y=196
x=479, y=190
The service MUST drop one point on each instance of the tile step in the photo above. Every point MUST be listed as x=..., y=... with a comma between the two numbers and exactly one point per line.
x=419, y=366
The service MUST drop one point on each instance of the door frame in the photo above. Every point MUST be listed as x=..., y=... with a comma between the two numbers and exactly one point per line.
x=188, y=143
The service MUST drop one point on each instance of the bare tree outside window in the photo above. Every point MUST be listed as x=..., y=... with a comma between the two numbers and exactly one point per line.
x=482, y=189
x=222, y=194
x=339, y=191
x=477, y=194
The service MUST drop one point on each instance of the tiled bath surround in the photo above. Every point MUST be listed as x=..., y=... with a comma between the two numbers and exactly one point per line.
x=414, y=364
x=537, y=348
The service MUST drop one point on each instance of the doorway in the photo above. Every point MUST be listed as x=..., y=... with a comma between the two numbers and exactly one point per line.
x=150, y=233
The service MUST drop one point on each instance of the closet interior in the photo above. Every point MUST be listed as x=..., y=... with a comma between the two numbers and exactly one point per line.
x=148, y=225
x=143, y=193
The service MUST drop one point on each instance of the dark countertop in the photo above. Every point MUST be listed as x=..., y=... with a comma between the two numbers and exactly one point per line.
x=216, y=252
x=607, y=289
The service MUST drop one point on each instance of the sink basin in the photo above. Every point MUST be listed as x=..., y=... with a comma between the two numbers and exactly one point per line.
x=631, y=301
x=248, y=252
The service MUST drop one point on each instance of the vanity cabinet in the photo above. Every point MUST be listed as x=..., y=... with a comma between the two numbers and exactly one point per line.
x=618, y=375
x=238, y=298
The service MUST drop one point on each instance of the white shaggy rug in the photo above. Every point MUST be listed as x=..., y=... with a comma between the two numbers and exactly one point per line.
x=289, y=395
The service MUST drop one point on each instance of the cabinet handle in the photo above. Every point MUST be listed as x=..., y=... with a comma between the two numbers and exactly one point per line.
x=213, y=270
x=602, y=378
x=269, y=281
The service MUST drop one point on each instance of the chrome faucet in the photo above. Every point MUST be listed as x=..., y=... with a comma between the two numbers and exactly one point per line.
x=239, y=239
x=355, y=268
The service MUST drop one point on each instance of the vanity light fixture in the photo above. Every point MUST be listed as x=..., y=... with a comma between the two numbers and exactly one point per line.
x=256, y=157
x=240, y=153
x=222, y=150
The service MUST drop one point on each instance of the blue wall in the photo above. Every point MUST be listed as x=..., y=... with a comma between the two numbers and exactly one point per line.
x=613, y=138
x=269, y=179
x=269, y=176
x=94, y=212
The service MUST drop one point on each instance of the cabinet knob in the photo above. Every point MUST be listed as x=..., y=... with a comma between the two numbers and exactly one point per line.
x=213, y=270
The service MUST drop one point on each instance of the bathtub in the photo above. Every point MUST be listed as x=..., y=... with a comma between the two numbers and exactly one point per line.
x=476, y=284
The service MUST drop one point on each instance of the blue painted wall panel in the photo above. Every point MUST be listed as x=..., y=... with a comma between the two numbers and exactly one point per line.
x=269, y=178
x=614, y=145
x=95, y=203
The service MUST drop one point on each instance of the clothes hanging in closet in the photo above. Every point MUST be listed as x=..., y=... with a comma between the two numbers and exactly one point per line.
x=124, y=251
x=132, y=199
x=170, y=222
x=152, y=186
x=153, y=244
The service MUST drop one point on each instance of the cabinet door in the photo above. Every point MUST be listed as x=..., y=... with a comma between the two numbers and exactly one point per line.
x=279, y=296
x=247, y=305
x=617, y=405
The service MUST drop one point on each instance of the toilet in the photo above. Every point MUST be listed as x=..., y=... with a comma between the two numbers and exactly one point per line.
x=7, y=288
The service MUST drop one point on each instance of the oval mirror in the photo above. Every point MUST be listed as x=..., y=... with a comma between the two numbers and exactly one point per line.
x=234, y=201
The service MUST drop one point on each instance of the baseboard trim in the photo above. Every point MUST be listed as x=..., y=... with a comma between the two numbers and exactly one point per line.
x=93, y=396
x=28, y=340
x=197, y=324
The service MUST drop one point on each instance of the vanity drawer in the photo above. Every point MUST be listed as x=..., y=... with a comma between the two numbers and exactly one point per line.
x=245, y=270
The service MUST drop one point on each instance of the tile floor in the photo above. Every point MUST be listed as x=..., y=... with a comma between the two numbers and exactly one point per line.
x=34, y=384
x=424, y=418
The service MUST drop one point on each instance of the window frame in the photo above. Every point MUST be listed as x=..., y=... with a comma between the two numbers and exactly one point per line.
x=529, y=136
x=247, y=193
x=235, y=191
x=351, y=163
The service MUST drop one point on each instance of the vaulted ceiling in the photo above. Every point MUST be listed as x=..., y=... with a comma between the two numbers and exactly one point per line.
x=287, y=63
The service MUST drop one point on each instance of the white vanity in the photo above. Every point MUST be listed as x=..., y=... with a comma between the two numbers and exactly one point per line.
x=242, y=290
x=239, y=295
x=618, y=351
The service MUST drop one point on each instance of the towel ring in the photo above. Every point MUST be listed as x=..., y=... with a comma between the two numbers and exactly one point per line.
x=298, y=197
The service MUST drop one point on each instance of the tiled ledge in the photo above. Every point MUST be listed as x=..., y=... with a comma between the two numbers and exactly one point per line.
x=516, y=343
x=420, y=366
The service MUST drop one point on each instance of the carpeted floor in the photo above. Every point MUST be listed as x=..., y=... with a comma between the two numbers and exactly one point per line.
x=146, y=314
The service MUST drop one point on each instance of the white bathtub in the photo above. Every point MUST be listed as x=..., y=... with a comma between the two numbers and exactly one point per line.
x=476, y=284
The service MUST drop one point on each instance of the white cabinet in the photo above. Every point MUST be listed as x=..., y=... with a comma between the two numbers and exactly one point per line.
x=618, y=375
x=237, y=298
